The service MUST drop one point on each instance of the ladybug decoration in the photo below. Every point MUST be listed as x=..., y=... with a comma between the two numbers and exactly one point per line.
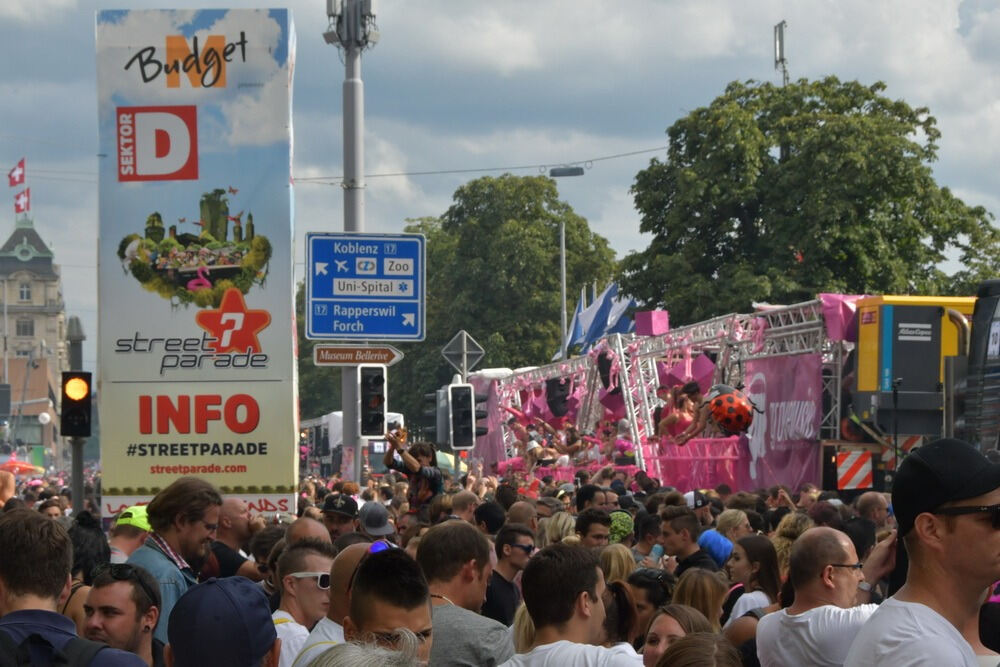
x=730, y=408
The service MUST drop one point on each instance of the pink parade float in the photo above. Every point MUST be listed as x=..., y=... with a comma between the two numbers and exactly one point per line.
x=773, y=360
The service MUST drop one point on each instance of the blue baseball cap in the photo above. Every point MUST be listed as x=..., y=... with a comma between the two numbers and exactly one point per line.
x=221, y=622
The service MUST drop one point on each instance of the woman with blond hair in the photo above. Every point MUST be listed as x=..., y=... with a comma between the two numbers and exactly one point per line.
x=788, y=530
x=561, y=526
x=705, y=591
x=617, y=562
x=523, y=630
x=733, y=524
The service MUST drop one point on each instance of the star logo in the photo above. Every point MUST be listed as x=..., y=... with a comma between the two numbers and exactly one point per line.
x=233, y=326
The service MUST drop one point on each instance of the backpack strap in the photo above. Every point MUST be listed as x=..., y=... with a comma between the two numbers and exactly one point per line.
x=79, y=652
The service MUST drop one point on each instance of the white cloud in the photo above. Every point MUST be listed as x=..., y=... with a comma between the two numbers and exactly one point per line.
x=256, y=117
x=29, y=11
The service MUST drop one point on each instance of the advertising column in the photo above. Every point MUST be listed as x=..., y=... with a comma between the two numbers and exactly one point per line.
x=196, y=306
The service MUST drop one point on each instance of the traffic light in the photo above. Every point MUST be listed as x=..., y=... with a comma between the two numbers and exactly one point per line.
x=481, y=414
x=435, y=417
x=74, y=419
x=461, y=417
x=372, y=400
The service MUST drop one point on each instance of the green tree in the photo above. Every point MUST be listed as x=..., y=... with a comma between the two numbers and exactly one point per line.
x=319, y=386
x=777, y=193
x=493, y=270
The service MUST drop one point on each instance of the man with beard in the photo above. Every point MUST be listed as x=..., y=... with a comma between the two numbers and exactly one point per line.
x=184, y=517
x=122, y=608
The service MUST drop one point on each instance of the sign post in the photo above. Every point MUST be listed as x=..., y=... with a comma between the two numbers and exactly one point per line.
x=463, y=353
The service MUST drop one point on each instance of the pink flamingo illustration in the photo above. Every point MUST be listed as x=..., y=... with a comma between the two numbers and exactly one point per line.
x=201, y=282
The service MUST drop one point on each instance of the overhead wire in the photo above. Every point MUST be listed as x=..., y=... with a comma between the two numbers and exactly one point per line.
x=74, y=176
x=332, y=180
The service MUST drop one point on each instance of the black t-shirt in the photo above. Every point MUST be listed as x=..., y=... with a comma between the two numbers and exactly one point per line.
x=699, y=558
x=158, y=660
x=502, y=599
x=229, y=560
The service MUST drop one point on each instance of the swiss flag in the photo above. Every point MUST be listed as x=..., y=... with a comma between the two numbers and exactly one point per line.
x=22, y=201
x=16, y=175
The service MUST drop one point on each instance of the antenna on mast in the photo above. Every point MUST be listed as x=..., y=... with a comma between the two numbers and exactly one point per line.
x=779, y=52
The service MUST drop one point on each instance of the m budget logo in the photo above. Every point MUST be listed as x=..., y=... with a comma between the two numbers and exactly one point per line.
x=157, y=143
x=204, y=64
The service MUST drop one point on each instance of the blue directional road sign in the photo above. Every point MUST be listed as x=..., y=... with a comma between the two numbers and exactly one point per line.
x=365, y=286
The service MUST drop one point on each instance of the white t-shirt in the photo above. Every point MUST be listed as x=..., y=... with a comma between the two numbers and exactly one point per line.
x=570, y=654
x=819, y=637
x=912, y=634
x=745, y=603
x=326, y=634
x=291, y=634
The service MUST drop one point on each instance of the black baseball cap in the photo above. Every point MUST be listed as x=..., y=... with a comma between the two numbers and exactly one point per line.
x=341, y=503
x=937, y=473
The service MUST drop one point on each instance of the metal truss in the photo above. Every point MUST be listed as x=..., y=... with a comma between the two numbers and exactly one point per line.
x=734, y=339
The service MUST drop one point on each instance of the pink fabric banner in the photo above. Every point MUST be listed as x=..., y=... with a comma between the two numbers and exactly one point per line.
x=703, y=463
x=784, y=438
x=839, y=315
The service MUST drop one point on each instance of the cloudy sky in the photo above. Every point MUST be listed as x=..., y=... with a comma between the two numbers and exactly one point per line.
x=463, y=89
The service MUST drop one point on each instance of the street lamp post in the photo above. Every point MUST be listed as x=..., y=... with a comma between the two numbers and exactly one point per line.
x=557, y=172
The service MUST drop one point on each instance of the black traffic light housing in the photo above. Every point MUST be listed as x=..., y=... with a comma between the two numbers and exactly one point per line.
x=435, y=416
x=461, y=417
x=372, y=400
x=481, y=414
x=74, y=417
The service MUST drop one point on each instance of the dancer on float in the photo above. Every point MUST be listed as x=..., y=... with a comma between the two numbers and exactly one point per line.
x=726, y=407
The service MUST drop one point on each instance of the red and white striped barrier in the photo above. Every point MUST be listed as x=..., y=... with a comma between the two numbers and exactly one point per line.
x=854, y=470
x=906, y=445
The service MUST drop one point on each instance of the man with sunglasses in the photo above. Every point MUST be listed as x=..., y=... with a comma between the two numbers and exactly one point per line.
x=304, y=576
x=946, y=499
x=514, y=545
x=832, y=589
x=122, y=608
x=329, y=631
x=34, y=578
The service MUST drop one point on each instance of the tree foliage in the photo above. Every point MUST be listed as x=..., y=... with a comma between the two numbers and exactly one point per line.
x=777, y=193
x=493, y=270
x=319, y=386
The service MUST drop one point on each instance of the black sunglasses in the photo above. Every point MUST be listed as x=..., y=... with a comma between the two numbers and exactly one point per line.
x=526, y=548
x=126, y=572
x=993, y=510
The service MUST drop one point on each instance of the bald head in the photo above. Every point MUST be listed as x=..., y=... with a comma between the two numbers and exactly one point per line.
x=343, y=568
x=306, y=528
x=463, y=505
x=7, y=486
x=814, y=550
x=873, y=505
x=523, y=512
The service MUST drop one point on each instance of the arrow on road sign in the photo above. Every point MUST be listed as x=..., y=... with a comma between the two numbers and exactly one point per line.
x=321, y=268
x=409, y=319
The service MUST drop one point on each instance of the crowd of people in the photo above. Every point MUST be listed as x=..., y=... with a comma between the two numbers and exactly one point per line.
x=421, y=567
